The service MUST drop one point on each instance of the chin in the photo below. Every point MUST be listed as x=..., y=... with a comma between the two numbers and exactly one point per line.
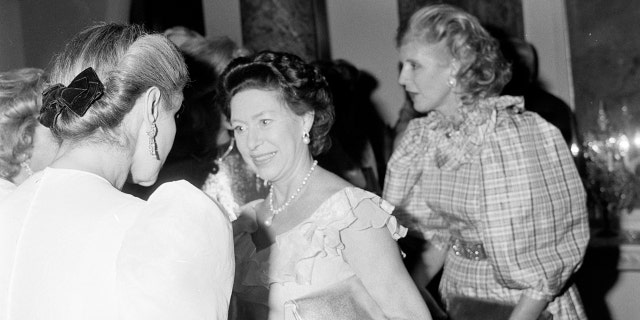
x=145, y=182
x=422, y=108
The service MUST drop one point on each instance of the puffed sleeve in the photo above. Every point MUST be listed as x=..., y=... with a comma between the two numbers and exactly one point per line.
x=535, y=225
x=403, y=186
x=176, y=261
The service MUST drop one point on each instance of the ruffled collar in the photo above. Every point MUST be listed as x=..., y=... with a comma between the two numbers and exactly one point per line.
x=458, y=143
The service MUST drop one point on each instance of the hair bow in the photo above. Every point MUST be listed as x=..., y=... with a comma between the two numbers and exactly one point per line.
x=78, y=96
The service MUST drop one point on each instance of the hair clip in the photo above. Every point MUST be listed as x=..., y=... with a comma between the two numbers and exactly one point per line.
x=78, y=96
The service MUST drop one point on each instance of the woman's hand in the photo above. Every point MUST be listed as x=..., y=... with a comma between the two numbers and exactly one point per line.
x=431, y=262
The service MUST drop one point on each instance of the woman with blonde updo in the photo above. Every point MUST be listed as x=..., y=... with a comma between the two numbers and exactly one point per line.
x=72, y=245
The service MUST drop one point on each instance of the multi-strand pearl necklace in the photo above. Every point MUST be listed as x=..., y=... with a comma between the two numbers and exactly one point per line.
x=294, y=196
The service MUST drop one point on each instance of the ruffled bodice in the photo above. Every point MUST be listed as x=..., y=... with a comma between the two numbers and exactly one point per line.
x=309, y=256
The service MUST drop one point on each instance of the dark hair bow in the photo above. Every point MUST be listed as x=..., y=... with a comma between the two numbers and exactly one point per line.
x=78, y=96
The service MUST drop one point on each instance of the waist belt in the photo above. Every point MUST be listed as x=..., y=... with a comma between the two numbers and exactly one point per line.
x=468, y=249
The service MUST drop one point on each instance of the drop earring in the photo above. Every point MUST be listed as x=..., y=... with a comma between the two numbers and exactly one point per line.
x=153, y=147
x=305, y=138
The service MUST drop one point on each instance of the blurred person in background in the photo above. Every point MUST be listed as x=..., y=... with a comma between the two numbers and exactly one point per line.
x=25, y=145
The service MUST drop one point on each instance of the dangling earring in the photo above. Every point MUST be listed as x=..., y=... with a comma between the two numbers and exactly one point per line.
x=452, y=82
x=25, y=166
x=153, y=147
x=305, y=138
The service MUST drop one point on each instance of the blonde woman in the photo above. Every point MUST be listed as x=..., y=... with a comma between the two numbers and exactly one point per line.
x=25, y=145
x=491, y=187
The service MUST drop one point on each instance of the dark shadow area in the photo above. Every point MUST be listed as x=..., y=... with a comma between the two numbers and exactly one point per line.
x=525, y=82
x=598, y=274
x=413, y=246
x=359, y=136
x=193, y=154
x=159, y=15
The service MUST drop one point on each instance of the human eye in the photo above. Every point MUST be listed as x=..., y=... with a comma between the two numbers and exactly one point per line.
x=265, y=122
x=238, y=128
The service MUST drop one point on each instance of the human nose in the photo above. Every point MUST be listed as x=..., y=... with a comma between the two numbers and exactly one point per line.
x=254, y=139
x=403, y=77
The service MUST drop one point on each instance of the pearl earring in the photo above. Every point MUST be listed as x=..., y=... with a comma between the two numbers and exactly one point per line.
x=305, y=138
x=452, y=82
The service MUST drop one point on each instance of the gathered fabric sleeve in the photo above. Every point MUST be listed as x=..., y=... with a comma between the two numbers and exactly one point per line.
x=535, y=227
x=365, y=210
x=176, y=261
x=403, y=186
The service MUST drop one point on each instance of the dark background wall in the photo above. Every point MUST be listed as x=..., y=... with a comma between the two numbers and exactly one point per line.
x=503, y=15
x=298, y=27
x=605, y=56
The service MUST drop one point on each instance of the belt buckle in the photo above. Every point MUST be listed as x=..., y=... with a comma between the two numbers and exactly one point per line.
x=469, y=250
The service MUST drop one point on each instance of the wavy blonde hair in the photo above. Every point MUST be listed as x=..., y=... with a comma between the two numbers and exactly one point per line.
x=483, y=70
x=20, y=103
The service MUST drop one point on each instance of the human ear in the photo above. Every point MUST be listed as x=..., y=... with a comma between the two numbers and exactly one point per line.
x=455, y=67
x=152, y=104
x=307, y=121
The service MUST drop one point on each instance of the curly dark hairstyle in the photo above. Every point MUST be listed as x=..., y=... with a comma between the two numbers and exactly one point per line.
x=301, y=85
x=484, y=71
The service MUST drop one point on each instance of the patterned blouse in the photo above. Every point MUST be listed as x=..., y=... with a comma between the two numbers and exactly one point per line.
x=504, y=179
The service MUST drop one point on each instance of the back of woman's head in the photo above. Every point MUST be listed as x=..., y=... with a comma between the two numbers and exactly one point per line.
x=20, y=102
x=218, y=51
x=127, y=61
x=483, y=70
x=300, y=85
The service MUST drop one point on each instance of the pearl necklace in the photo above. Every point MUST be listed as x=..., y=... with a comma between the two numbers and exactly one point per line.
x=294, y=196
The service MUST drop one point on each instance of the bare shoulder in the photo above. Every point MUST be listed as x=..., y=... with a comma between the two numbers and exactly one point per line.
x=322, y=186
x=327, y=184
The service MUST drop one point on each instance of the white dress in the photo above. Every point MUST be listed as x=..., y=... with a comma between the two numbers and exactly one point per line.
x=6, y=187
x=74, y=247
x=308, y=258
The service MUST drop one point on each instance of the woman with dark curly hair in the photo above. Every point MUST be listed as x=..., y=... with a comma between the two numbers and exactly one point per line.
x=316, y=247
x=491, y=187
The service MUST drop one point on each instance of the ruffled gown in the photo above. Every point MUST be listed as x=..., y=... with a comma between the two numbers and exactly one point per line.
x=307, y=258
